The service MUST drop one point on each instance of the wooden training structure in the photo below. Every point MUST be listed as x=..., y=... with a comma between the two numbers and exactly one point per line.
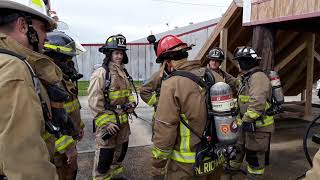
x=285, y=34
x=272, y=11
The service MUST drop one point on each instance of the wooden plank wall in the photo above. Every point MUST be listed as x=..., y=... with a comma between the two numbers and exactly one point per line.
x=283, y=8
x=263, y=10
x=141, y=57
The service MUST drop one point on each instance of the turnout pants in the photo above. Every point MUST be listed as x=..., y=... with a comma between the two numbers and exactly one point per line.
x=65, y=171
x=254, y=147
x=183, y=171
x=110, y=153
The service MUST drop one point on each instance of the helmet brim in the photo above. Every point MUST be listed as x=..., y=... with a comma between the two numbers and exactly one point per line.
x=237, y=58
x=216, y=59
x=158, y=60
x=103, y=49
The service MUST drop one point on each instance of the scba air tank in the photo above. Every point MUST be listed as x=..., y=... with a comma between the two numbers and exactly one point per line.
x=224, y=110
x=276, y=87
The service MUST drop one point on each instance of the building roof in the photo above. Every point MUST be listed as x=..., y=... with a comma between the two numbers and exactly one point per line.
x=181, y=31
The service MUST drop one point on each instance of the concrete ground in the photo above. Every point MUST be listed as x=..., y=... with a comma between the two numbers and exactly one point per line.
x=287, y=157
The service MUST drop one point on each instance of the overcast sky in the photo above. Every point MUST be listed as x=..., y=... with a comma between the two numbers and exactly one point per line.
x=92, y=21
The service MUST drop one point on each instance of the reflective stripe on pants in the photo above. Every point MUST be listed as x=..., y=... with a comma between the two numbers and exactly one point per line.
x=72, y=106
x=110, y=118
x=63, y=143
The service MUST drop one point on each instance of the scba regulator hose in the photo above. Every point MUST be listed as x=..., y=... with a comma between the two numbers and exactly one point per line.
x=305, y=139
x=305, y=144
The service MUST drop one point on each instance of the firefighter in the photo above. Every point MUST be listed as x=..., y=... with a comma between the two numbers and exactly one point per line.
x=62, y=48
x=111, y=100
x=150, y=90
x=180, y=99
x=23, y=152
x=254, y=97
x=215, y=58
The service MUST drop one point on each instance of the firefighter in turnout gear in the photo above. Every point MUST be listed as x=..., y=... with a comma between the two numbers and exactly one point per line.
x=62, y=48
x=215, y=58
x=174, y=152
x=23, y=152
x=111, y=101
x=150, y=90
x=254, y=97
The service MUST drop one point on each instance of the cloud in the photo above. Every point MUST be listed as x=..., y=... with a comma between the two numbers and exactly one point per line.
x=92, y=21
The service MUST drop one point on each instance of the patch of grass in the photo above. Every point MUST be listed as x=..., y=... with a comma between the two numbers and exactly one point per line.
x=83, y=87
x=138, y=84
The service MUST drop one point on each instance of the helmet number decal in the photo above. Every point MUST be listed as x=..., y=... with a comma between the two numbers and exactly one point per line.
x=121, y=42
x=215, y=53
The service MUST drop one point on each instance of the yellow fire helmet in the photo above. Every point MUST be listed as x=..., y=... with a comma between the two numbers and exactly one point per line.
x=35, y=8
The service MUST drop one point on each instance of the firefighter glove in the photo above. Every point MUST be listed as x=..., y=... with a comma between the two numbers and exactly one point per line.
x=248, y=127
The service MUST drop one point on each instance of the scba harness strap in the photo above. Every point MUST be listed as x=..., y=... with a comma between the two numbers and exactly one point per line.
x=35, y=79
x=36, y=82
x=275, y=107
x=108, y=78
x=206, y=159
x=198, y=81
x=120, y=94
x=207, y=83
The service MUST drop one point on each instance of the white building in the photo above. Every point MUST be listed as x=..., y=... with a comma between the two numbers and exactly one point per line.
x=141, y=54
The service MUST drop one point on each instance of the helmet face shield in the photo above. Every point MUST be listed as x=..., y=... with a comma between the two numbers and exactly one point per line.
x=79, y=48
x=68, y=49
x=59, y=42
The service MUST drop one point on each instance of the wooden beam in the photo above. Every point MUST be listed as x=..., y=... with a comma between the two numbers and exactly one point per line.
x=227, y=17
x=296, y=74
x=293, y=54
x=310, y=71
x=303, y=95
x=234, y=36
x=231, y=62
x=235, y=18
x=224, y=46
x=230, y=57
x=317, y=56
x=317, y=40
x=284, y=42
x=263, y=41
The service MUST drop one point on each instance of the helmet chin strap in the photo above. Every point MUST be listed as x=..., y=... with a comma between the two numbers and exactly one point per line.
x=32, y=35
